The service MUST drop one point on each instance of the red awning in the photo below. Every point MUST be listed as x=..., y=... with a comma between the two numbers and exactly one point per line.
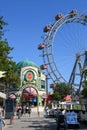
x=49, y=98
x=44, y=96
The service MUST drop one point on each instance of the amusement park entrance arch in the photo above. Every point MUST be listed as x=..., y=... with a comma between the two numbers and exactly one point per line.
x=29, y=96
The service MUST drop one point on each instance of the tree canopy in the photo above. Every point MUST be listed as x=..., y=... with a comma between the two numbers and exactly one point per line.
x=84, y=91
x=11, y=78
x=60, y=91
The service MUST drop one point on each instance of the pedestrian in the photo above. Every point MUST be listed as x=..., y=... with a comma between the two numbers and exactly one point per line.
x=47, y=111
x=19, y=112
x=29, y=111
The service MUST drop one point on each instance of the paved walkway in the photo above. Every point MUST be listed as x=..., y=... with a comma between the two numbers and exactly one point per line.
x=34, y=122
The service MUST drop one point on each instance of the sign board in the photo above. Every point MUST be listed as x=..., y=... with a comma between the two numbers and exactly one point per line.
x=9, y=105
x=9, y=108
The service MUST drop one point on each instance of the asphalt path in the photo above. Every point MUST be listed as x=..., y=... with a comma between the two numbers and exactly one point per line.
x=31, y=123
x=35, y=122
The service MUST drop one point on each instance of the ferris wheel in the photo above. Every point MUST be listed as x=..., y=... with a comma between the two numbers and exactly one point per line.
x=64, y=48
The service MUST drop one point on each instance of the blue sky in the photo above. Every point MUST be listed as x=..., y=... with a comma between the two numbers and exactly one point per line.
x=26, y=20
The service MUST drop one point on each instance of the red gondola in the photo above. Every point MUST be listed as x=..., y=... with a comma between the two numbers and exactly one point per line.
x=73, y=12
x=47, y=28
x=58, y=16
x=41, y=46
x=43, y=67
x=52, y=85
x=86, y=18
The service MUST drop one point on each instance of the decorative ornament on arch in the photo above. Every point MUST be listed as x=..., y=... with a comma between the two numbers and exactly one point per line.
x=29, y=76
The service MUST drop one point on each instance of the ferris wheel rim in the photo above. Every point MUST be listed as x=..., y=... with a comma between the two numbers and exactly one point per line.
x=48, y=56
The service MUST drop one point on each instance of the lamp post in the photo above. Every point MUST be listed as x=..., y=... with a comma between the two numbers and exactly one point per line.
x=46, y=84
x=38, y=105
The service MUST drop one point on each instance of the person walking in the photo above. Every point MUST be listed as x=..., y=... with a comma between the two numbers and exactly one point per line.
x=29, y=111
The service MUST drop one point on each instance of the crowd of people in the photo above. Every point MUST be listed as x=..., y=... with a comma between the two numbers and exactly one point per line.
x=23, y=110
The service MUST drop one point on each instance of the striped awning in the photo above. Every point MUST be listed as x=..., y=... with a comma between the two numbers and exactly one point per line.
x=30, y=91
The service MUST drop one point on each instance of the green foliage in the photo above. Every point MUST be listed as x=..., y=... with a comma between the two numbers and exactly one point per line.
x=2, y=24
x=84, y=91
x=11, y=78
x=57, y=96
x=61, y=90
x=85, y=72
x=4, y=55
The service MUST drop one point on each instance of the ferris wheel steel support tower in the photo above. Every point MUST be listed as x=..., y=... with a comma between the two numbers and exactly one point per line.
x=81, y=66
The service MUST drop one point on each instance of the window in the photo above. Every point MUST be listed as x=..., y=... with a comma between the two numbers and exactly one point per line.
x=42, y=84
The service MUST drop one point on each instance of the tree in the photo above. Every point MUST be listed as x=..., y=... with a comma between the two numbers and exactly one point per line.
x=6, y=63
x=84, y=91
x=4, y=55
x=60, y=91
x=2, y=24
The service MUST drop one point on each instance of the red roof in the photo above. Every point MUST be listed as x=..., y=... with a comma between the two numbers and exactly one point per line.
x=68, y=98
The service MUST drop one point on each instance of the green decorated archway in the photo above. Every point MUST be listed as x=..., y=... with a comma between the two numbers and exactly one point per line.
x=29, y=96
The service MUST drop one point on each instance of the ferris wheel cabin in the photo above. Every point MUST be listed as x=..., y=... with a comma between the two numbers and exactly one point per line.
x=47, y=28
x=41, y=46
x=43, y=66
x=58, y=16
x=52, y=86
x=73, y=13
x=86, y=18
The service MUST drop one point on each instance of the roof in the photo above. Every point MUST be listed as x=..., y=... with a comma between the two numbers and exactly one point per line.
x=27, y=63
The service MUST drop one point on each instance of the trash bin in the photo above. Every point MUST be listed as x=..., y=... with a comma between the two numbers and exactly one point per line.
x=0, y=124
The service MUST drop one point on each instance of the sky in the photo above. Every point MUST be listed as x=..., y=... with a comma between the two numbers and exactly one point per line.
x=26, y=20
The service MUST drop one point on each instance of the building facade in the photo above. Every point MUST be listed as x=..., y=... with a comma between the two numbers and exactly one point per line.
x=32, y=90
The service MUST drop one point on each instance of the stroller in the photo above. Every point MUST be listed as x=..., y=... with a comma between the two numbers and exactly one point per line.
x=61, y=122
